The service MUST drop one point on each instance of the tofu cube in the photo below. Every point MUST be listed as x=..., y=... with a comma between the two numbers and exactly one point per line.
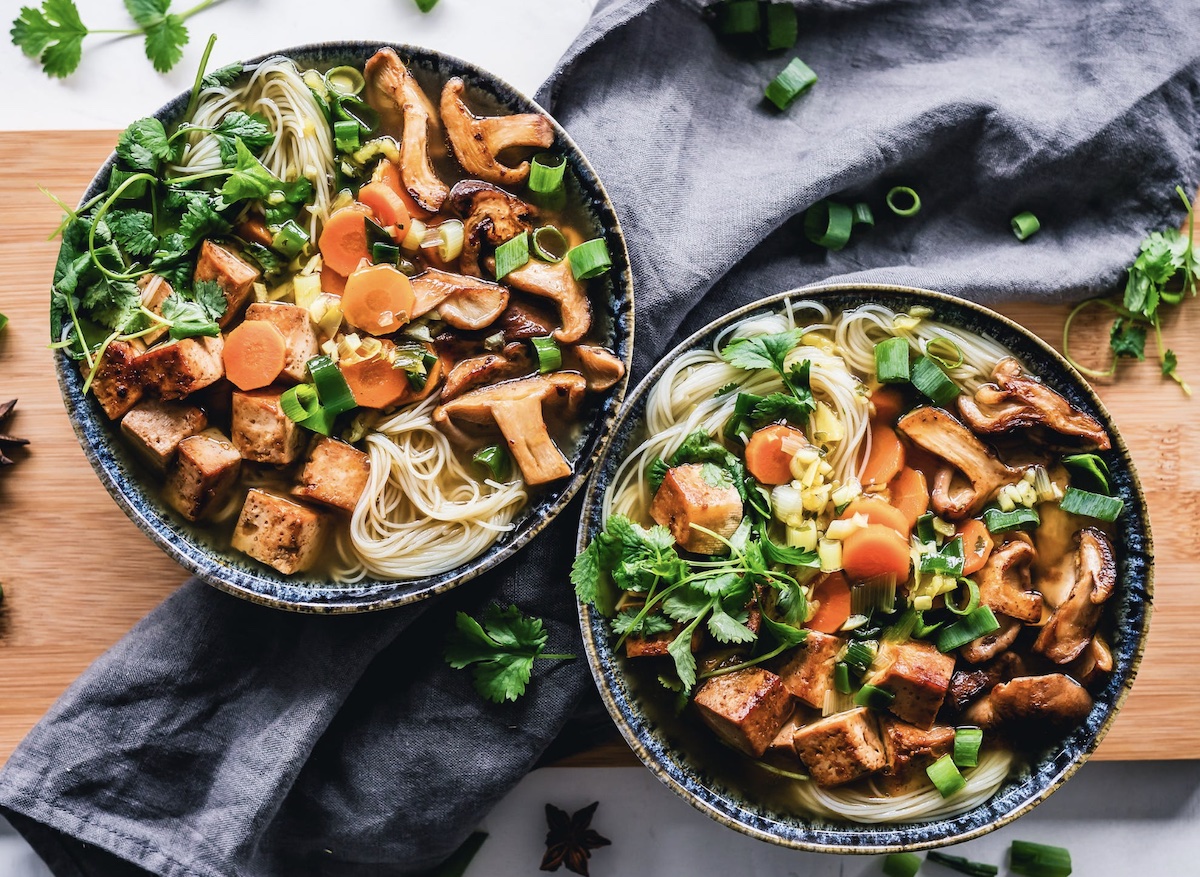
x=205, y=472
x=918, y=675
x=261, y=431
x=698, y=493
x=335, y=474
x=655, y=645
x=155, y=291
x=156, y=429
x=840, y=748
x=233, y=274
x=908, y=747
x=176, y=369
x=297, y=330
x=118, y=381
x=745, y=708
x=807, y=671
x=280, y=532
x=781, y=748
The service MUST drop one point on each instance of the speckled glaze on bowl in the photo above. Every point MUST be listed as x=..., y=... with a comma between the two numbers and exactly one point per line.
x=703, y=773
x=126, y=479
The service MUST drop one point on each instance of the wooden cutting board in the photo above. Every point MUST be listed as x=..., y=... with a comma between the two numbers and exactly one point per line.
x=77, y=574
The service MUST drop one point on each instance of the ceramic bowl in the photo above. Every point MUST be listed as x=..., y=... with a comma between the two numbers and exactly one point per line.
x=687, y=758
x=128, y=482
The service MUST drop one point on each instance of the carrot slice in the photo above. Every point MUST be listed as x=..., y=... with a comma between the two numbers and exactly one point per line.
x=910, y=494
x=888, y=402
x=343, y=242
x=832, y=593
x=378, y=299
x=887, y=456
x=387, y=206
x=388, y=174
x=254, y=353
x=331, y=281
x=875, y=550
x=770, y=450
x=878, y=512
x=376, y=383
x=977, y=545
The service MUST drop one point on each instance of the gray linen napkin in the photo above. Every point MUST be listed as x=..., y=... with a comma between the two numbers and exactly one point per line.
x=222, y=739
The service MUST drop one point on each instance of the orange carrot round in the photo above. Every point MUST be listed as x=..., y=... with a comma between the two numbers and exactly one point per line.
x=878, y=512
x=770, y=450
x=331, y=281
x=376, y=383
x=875, y=550
x=387, y=206
x=832, y=593
x=388, y=174
x=910, y=494
x=343, y=241
x=887, y=456
x=977, y=545
x=378, y=299
x=888, y=402
x=254, y=353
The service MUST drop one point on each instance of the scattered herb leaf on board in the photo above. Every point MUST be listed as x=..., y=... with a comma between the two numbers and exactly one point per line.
x=571, y=839
x=500, y=651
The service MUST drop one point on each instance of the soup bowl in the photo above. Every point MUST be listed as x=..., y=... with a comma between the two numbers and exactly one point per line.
x=689, y=760
x=132, y=487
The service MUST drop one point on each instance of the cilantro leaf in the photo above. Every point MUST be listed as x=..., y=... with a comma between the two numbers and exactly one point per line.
x=144, y=144
x=784, y=634
x=501, y=651
x=252, y=129
x=657, y=472
x=728, y=629
x=761, y=351
x=113, y=303
x=250, y=179
x=54, y=34
x=1169, y=362
x=781, y=406
x=197, y=216
x=165, y=40
x=198, y=314
x=726, y=389
x=680, y=651
x=268, y=260
x=649, y=626
x=687, y=604
x=1128, y=338
x=700, y=447
x=222, y=76
x=133, y=230
x=586, y=572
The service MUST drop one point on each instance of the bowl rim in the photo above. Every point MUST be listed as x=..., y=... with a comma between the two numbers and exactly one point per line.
x=211, y=565
x=854, y=843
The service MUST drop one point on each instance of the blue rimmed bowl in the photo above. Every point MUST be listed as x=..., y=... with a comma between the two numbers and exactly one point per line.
x=134, y=491
x=689, y=760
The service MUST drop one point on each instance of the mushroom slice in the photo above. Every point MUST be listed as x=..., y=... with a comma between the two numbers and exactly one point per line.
x=940, y=434
x=1017, y=400
x=554, y=280
x=989, y=645
x=490, y=215
x=1074, y=621
x=1004, y=582
x=1055, y=698
x=599, y=365
x=516, y=407
x=406, y=114
x=477, y=142
x=489, y=368
x=463, y=302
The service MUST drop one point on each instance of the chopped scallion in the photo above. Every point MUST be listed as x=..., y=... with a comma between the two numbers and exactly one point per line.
x=739, y=423
x=945, y=776
x=346, y=136
x=737, y=17
x=955, y=357
x=828, y=224
x=549, y=356
x=795, y=79
x=345, y=80
x=891, y=361
x=549, y=245
x=860, y=655
x=963, y=865
x=949, y=561
x=290, y=239
x=1020, y=518
x=979, y=622
x=332, y=389
x=385, y=254
x=1091, y=505
x=546, y=173
x=841, y=677
x=925, y=531
x=512, y=254
x=3, y=321
x=903, y=201
x=863, y=214
x=928, y=377
x=1025, y=225
x=589, y=259
x=874, y=697
x=1039, y=860
x=299, y=402
x=781, y=27
x=1093, y=469
x=972, y=598
x=902, y=865
x=967, y=741
x=495, y=459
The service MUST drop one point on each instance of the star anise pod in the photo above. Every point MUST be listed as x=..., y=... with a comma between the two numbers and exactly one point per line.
x=571, y=839
x=8, y=441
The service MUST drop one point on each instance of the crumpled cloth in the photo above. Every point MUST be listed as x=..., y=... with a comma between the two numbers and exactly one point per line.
x=224, y=739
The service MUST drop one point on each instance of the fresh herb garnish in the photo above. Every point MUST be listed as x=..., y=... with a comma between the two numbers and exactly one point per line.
x=500, y=652
x=195, y=315
x=770, y=352
x=571, y=839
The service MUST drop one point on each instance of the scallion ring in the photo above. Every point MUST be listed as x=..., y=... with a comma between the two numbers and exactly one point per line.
x=945, y=776
x=299, y=402
x=549, y=356
x=549, y=245
x=546, y=173
x=1025, y=225
x=589, y=259
x=954, y=360
x=972, y=598
x=331, y=386
x=905, y=193
x=863, y=214
x=828, y=224
x=345, y=80
x=512, y=254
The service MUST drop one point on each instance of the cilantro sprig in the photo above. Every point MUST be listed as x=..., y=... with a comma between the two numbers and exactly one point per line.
x=500, y=651
x=769, y=352
x=53, y=34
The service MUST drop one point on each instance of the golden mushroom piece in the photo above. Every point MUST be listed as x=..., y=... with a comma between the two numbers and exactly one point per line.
x=478, y=141
x=554, y=280
x=490, y=216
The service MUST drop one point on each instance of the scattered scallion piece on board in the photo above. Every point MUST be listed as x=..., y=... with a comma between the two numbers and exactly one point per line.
x=828, y=224
x=945, y=776
x=495, y=459
x=512, y=254
x=1039, y=860
x=795, y=79
x=3, y=322
x=928, y=377
x=1025, y=225
x=1092, y=468
x=902, y=865
x=863, y=214
x=967, y=741
x=738, y=17
x=970, y=627
x=780, y=28
x=549, y=356
x=999, y=521
x=962, y=865
x=1091, y=505
x=589, y=259
x=903, y=201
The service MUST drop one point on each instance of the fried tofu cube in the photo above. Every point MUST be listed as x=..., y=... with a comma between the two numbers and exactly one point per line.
x=156, y=429
x=698, y=493
x=297, y=330
x=918, y=675
x=118, y=381
x=280, y=532
x=840, y=748
x=908, y=747
x=745, y=708
x=807, y=671
x=781, y=748
x=335, y=474
x=233, y=274
x=176, y=369
x=655, y=645
x=155, y=291
x=205, y=472
x=261, y=431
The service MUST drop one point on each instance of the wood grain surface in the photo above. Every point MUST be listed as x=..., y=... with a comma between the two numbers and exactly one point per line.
x=77, y=574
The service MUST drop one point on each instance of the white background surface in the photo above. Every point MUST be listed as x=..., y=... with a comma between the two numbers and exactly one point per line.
x=1117, y=819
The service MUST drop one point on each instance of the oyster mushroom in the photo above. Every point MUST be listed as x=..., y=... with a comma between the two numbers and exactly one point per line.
x=489, y=368
x=463, y=302
x=1054, y=699
x=1074, y=621
x=406, y=114
x=478, y=141
x=516, y=408
x=490, y=215
x=1017, y=400
x=943, y=436
x=991, y=644
x=1094, y=662
x=554, y=280
x=1004, y=583
x=599, y=365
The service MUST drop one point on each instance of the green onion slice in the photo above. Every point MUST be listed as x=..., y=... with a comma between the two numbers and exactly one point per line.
x=1092, y=468
x=928, y=377
x=1092, y=505
x=737, y=17
x=781, y=27
x=863, y=214
x=495, y=459
x=979, y=622
x=903, y=201
x=299, y=402
x=589, y=259
x=290, y=239
x=860, y=655
x=967, y=741
x=925, y=531
x=546, y=173
x=416, y=361
x=902, y=865
x=512, y=254
x=321, y=421
x=739, y=423
x=946, y=776
x=962, y=865
x=1039, y=860
x=795, y=79
x=352, y=108
x=376, y=233
x=828, y=224
x=874, y=697
x=998, y=521
x=949, y=561
x=344, y=80
x=332, y=389
x=841, y=677
x=955, y=357
x=346, y=136
x=921, y=629
x=1025, y=225
x=972, y=598
x=386, y=254
x=549, y=356
x=549, y=245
